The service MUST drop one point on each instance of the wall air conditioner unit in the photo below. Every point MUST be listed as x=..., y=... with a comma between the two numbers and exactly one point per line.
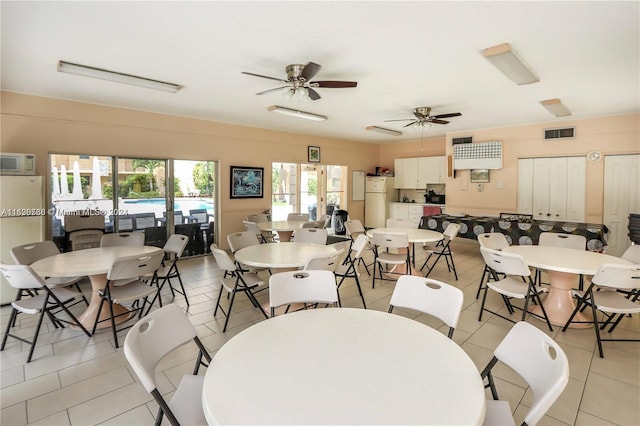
x=563, y=133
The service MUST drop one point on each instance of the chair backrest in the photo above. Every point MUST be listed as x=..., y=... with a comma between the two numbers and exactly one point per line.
x=240, y=240
x=200, y=215
x=223, y=259
x=354, y=227
x=325, y=263
x=358, y=246
x=153, y=337
x=176, y=244
x=131, y=239
x=83, y=219
x=84, y=239
x=400, y=223
x=452, y=231
x=493, y=240
x=632, y=254
x=144, y=220
x=540, y=361
x=429, y=296
x=26, y=254
x=290, y=287
x=251, y=226
x=554, y=239
x=125, y=221
x=505, y=263
x=298, y=216
x=258, y=218
x=325, y=218
x=128, y=267
x=391, y=239
x=21, y=276
x=178, y=217
x=623, y=277
x=310, y=235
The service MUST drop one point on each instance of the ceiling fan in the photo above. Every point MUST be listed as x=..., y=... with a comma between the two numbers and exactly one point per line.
x=298, y=81
x=423, y=118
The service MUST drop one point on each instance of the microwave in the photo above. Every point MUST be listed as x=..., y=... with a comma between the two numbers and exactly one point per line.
x=432, y=198
x=17, y=164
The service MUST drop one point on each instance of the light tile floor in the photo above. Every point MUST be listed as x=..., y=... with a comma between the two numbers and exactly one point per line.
x=75, y=380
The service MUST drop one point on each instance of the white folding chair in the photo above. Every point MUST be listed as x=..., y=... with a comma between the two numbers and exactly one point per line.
x=150, y=340
x=354, y=228
x=540, y=361
x=27, y=254
x=131, y=239
x=383, y=242
x=268, y=236
x=495, y=241
x=349, y=268
x=240, y=240
x=36, y=298
x=426, y=295
x=318, y=224
x=555, y=239
x=310, y=235
x=235, y=281
x=173, y=249
x=632, y=254
x=298, y=216
x=614, y=291
x=510, y=285
x=253, y=227
x=128, y=270
x=287, y=288
x=443, y=248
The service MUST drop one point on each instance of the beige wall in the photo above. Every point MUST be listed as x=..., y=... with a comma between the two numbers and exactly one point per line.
x=609, y=135
x=42, y=125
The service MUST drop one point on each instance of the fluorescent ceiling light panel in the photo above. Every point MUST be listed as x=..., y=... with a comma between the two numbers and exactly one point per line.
x=505, y=59
x=296, y=113
x=117, y=77
x=555, y=107
x=384, y=130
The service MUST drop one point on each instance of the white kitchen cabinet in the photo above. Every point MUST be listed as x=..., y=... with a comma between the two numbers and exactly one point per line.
x=398, y=210
x=552, y=188
x=409, y=211
x=415, y=214
x=416, y=173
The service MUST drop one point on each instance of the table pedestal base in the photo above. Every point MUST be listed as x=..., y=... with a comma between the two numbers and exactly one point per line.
x=559, y=303
x=284, y=236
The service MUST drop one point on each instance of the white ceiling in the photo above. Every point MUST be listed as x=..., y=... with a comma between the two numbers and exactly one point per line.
x=402, y=54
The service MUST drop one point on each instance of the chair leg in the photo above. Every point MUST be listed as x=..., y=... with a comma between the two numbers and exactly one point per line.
x=226, y=321
x=35, y=335
x=215, y=311
x=12, y=318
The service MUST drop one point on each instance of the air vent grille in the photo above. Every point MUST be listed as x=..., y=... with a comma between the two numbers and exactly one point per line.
x=456, y=141
x=564, y=133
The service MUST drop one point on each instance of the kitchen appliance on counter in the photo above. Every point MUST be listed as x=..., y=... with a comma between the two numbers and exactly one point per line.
x=430, y=197
x=379, y=192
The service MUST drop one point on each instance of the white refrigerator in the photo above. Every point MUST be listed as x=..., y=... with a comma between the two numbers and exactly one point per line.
x=22, y=220
x=379, y=192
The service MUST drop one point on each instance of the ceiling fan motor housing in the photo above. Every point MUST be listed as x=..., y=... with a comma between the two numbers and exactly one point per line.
x=422, y=112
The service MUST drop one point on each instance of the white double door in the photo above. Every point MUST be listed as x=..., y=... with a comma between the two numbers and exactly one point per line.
x=621, y=197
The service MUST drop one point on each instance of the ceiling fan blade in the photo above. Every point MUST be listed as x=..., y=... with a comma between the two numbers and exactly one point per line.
x=411, y=124
x=401, y=119
x=272, y=90
x=453, y=114
x=335, y=84
x=313, y=95
x=435, y=120
x=310, y=70
x=265, y=76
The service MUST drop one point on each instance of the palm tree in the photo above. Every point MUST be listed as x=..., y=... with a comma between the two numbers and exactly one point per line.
x=148, y=164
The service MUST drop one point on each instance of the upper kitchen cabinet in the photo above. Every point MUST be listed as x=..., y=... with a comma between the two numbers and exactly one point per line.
x=416, y=173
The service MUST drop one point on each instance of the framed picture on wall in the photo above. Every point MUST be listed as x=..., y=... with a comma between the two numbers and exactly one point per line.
x=247, y=182
x=314, y=154
x=479, y=175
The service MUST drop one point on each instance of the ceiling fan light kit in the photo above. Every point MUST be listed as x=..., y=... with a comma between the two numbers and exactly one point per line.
x=296, y=113
x=423, y=119
x=117, y=77
x=506, y=60
x=555, y=107
x=384, y=130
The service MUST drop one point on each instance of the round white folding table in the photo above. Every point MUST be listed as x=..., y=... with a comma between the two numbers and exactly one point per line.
x=416, y=235
x=282, y=255
x=95, y=263
x=342, y=366
x=563, y=266
x=284, y=228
